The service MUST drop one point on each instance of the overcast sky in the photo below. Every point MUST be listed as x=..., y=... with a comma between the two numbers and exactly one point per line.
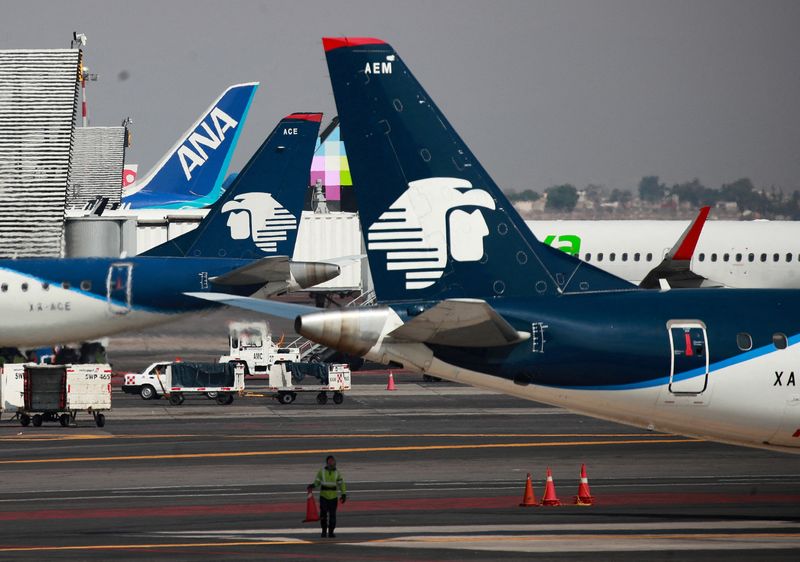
x=544, y=92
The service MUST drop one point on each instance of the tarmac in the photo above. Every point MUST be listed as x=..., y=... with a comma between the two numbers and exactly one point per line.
x=434, y=471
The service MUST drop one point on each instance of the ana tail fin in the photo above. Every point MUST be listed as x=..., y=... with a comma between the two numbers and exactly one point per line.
x=192, y=172
x=435, y=223
x=258, y=215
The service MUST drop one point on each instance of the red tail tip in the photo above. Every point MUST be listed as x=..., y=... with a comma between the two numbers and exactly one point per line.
x=330, y=43
x=316, y=117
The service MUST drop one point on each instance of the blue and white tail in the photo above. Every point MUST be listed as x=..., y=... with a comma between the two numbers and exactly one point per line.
x=436, y=225
x=191, y=174
x=258, y=215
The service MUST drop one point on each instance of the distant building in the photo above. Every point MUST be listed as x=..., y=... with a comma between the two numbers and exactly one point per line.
x=39, y=93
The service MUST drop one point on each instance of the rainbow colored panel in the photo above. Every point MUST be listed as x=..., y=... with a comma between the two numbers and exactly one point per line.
x=330, y=165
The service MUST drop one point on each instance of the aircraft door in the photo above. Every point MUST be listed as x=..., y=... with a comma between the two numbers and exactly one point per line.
x=689, y=357
x=118, y=287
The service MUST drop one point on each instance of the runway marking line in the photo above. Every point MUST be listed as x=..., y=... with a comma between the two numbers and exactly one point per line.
x=584, y=537
x=389, y=541
x=146, y=546
x=287, y=452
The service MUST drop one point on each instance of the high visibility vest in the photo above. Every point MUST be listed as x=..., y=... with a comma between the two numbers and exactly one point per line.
x=330, y=482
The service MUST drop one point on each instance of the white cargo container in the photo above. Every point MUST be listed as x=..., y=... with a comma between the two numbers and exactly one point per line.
x=40, y=393
x=333, y=235
x=287, y=380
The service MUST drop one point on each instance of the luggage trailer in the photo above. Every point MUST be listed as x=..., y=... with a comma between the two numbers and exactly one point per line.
x=56, y=393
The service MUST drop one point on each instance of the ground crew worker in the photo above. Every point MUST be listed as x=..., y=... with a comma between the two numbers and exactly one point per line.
x=330, y=483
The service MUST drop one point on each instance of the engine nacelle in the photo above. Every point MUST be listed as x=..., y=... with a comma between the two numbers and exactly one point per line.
x=305, y=274
x=364, y=332
x=353, y=331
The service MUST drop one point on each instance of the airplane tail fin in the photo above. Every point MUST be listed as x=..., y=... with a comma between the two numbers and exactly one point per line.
x=258, y=215
x=676, y=267
x=436, y=225
x=191, y=173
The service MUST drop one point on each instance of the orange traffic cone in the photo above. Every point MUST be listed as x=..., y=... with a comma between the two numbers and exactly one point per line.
x=311, y=509
x=528, y=499
x=391, y=386
x=550, y=491
x=584, y=496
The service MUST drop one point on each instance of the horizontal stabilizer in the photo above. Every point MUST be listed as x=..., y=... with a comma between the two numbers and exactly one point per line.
x=460, y=323
x=265, y=270
x=270, y=307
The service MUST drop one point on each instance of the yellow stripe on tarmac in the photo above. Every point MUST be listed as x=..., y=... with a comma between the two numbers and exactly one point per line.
x=288, y=452
x=71, y=437
x=84, y=436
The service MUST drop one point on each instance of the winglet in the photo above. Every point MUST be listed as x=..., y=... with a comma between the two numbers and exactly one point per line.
x=330, y=43
x=674, y=270
x=684, y=247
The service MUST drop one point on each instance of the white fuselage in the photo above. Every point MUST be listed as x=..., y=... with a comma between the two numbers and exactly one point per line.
x=741, y=404
x=752, y=254
x=32, y=315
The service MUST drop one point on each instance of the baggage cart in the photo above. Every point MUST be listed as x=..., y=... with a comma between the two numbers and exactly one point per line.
x=56, y=393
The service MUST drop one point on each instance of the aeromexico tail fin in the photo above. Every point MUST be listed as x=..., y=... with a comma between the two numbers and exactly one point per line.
x=258, y=215
x=435, y=223
x=192, y=172
x=675, y=268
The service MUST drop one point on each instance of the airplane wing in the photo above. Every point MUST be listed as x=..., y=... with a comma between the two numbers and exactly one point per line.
x=265, y=270
x=270, y=307
x=460, y=323
x=675, y=269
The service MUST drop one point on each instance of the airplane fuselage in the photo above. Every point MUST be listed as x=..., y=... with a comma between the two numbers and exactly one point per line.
x=741, y=254
x=682, y=361
x=50, y=301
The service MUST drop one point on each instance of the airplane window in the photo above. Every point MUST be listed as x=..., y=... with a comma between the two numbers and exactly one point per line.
x=726, y=257
x=588, y=257
x=625, y=256
x=713, y=257
x=751, y=257
x=788, y=257
x=738, y=257
x=744, y=341
x=86, y=285
x=636, y=256
x=612, y=256
x=775, y=257
x=779, y=340
x=46, y=286
x=24, y=287
x=600, y=256
x=649, y=257
x=702, y=257
x=763, y=257
x=4, y=287
x=65, y=285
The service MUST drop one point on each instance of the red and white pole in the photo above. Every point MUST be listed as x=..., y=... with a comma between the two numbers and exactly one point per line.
x=83, y=97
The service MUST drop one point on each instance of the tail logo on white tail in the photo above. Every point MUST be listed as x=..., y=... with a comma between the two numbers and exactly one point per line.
x=261, y=218
x=426, y=225
x=191, y=153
